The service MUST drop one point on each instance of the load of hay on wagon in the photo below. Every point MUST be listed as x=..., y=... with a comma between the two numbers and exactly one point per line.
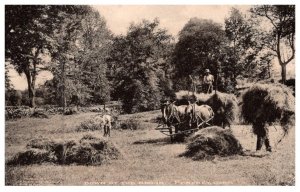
x=225, y=106
x=265, y=104
x=89, y=150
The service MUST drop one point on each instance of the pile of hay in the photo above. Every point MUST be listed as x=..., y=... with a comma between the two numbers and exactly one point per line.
x=269, y=103
x=210, y=142
x=89, y=150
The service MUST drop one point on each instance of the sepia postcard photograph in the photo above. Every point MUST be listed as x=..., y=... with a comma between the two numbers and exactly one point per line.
x=149, y=95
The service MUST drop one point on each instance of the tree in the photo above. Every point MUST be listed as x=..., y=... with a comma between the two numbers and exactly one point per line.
x=138, y=65
x=282, y=20
x=29, y=36
x=63, y=53
x=24, y=40
x=95, y=44
x=80, y=76
x=198, y=48
x=245, y=52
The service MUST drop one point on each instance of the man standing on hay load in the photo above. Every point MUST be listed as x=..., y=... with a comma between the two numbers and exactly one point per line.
x=208, y=81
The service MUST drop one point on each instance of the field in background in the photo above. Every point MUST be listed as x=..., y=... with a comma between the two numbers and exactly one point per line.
x=149, y=157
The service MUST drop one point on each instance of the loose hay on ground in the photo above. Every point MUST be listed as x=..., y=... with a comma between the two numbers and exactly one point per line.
x=89, y=150
x=210, y=142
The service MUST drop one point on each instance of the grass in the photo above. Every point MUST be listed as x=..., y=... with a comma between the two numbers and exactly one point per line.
x=148, y=157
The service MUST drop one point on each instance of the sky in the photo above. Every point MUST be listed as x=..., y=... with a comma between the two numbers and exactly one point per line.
x=172, y=18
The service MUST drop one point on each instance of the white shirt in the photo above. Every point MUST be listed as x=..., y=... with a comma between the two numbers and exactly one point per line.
x=208, y=79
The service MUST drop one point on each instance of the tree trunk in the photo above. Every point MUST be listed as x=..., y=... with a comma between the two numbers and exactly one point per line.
x=283, y=73
x=280, y=59
x=31, y=89
x=64, y=101
x=31, y=93
x=269, y=70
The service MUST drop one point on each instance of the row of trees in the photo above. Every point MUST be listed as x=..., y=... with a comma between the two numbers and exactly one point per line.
x=146, y=65
x=76, y=40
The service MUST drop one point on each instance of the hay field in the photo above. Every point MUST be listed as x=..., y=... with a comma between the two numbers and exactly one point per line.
x=148, y=157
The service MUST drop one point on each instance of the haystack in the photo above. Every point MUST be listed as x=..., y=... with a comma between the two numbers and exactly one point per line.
x=89, y=150
x=266, y=104
x=33, y=156
x=210, y=142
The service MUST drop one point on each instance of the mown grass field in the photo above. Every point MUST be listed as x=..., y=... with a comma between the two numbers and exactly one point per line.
x=149, y=158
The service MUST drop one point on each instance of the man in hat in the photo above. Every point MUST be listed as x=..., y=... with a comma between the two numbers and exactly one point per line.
x=208, y=81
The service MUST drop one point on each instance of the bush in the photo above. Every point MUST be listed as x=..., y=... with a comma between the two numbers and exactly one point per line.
x=39, y=114
x=39, y=101
x=16, y=113
x=89, y=125
x=131, y=124
x=71, y=111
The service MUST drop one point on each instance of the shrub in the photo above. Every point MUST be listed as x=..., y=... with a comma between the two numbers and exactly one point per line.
x=89, y=125
x=131, y=124
x=71, y=111
x=39, y=114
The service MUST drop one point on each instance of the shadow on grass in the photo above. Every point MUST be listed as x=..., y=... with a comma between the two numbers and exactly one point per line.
x=159, y=141
x=257, y=154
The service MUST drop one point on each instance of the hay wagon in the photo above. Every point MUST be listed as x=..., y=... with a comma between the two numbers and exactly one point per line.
x=183, y=128
x=224, y=106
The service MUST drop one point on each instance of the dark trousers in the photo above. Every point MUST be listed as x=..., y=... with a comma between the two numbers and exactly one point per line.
x=263, y=138
x=207, y=88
